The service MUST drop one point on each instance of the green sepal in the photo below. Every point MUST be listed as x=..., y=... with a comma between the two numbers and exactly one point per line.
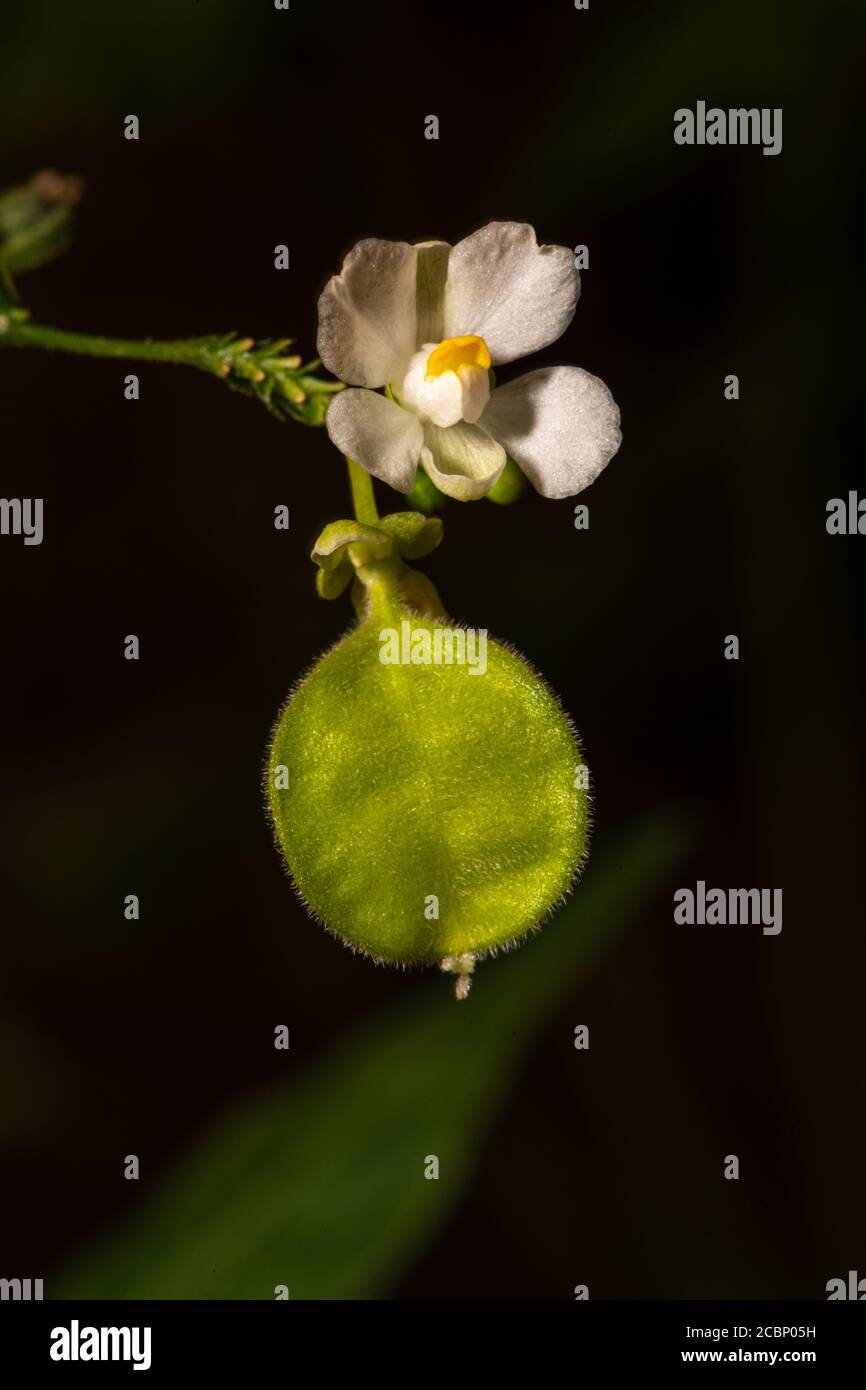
x=419, y=594
x=350, y=540
x=347, y=547
x=414, y=534
x=332, y=583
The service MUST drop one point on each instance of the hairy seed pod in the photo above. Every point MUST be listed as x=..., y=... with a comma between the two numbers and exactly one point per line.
x=429, y=811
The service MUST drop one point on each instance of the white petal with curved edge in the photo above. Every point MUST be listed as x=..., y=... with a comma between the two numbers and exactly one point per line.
x=367, y=313
x=463, y=461
x=504, y=287
x=559, y=424
x=377, y=434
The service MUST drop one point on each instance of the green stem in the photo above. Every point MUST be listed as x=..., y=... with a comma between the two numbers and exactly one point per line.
x=262, y=370
x=363, y=496
x=187, y=351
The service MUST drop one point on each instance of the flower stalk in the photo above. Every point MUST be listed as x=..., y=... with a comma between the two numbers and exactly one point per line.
x=363, y=496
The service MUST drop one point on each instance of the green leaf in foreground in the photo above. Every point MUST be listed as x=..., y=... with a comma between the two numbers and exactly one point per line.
x=319, y=1185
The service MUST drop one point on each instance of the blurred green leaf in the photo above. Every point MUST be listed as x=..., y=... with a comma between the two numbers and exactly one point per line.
x=36, y=220
x=320, y=1186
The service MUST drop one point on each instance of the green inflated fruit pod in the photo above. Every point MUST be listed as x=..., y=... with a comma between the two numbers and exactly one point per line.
x=428, y=813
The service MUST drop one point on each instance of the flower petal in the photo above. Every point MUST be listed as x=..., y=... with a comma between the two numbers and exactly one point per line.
x=463, y=461
x=560, y=424
x=504, y=287
x=378, y=434
x=367, y=313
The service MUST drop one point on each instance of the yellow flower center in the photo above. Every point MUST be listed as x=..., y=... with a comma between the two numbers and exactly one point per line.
x=453, y=353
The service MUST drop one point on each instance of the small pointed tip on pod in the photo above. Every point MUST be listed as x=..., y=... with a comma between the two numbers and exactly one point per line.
x=462, y=967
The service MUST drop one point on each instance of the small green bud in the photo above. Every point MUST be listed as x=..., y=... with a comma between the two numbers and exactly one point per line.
x=425, y=495
x=510, y=485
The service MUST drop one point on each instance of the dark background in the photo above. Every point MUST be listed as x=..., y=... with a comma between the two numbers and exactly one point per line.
x=257, y=128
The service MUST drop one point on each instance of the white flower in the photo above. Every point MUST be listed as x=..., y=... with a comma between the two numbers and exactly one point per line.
x=427, y=322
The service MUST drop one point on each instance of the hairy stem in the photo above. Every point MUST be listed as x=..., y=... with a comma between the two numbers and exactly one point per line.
x=262, y=370
x=191, y=352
